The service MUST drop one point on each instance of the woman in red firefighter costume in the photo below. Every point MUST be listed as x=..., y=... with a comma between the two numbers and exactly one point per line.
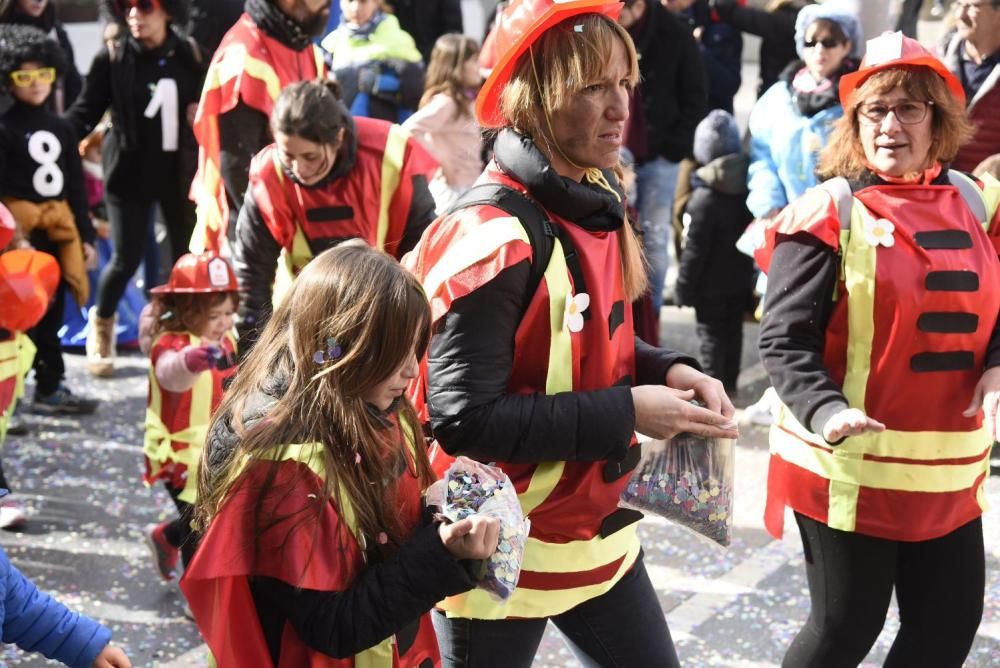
x=318, y=551
x=547, y=378
x=326, y=178
x=880, y=336
x=192, y=354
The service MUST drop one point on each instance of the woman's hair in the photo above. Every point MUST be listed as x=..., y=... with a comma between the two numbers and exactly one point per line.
x=186, y=311
x=950, y=128
x=178, y=11
x=444, y=72
x=311, y=110
x=564, y=60
x=20, y=44
x=360, y=300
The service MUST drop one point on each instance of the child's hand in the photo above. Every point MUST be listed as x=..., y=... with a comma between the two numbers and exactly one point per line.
x=199, y=358
x=112, y=657
x=472, y=538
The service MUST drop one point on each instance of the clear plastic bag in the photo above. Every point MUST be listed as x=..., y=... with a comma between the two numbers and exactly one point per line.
x=470, y=488
x=689, y=481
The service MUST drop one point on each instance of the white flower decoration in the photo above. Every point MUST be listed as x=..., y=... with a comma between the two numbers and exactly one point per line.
x=878, y=232
x=575, y=306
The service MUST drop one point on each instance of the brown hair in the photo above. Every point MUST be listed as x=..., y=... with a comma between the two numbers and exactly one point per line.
x=950, y=128
x=444, y=72
x=540, y=86
x=377, y=313
x=186, y=312
x=311, y=110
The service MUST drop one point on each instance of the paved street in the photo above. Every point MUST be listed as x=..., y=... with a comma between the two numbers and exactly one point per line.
x=80, y=477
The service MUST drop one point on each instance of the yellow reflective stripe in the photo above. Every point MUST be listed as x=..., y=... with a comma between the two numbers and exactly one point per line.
x=851, y=468
x=991, y=197
x=320, y=63
x=9, y=359
x=859, y=279
x=392, y=167
x=237, y=60
x=536, y=603
x=480, y=243
x=289, y=263
x=915, y=445
x=26, y=359
x=559, y=377
x=543, y=481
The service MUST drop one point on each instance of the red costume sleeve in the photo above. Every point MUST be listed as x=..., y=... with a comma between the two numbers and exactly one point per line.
x=814, y=213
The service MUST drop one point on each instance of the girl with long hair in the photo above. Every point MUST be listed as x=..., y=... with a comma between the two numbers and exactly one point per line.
x=315, y=542
x=446, y=121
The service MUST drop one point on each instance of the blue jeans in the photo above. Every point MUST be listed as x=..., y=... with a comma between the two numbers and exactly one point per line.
x=623, y=627
x=656, y=183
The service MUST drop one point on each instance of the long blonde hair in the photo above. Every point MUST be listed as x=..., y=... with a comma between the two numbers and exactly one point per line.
x=377, y=314
x=564, y=60
x=444, y=71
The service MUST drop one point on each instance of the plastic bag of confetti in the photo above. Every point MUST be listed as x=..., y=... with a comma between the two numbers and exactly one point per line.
x=470, y=488
x=689, y=481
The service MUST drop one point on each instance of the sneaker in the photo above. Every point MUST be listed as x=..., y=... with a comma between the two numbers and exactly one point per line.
x=64, y=402
x=12, y=514
x=165, y=555
x=16, y=426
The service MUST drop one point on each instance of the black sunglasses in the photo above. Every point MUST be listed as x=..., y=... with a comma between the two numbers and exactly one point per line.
x=144, y=6
x=828, y=43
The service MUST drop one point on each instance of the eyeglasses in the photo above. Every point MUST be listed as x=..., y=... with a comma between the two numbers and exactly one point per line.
x=907, y=112
x=24, y=78
x=144, y=6
x=827, y=43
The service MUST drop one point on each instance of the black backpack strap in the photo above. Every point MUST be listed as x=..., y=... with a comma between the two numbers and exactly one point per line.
x=541, y=233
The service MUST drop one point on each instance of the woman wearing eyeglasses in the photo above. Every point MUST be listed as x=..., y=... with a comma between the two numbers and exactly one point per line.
x=880, y=335
x=149, y=77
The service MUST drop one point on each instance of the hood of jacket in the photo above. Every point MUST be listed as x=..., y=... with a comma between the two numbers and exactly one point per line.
x=726, y=174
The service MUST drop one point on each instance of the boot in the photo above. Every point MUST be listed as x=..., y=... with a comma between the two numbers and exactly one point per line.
x=100, y=344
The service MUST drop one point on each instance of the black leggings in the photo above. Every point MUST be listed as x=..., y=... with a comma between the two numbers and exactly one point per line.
x=179, y=532
x=131, y=222
x=939, y=586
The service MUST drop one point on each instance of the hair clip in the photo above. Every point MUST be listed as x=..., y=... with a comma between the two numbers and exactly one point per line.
x=167, y=315
x=578, y=27
x=333, y=351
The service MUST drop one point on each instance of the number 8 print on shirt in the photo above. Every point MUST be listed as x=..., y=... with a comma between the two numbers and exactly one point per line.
x=45, y=149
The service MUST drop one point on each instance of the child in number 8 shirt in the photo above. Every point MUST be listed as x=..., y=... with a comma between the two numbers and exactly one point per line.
x=41, y=182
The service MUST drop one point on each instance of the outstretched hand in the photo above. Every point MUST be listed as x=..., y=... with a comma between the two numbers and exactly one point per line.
x=849, y=422
x=112, y=657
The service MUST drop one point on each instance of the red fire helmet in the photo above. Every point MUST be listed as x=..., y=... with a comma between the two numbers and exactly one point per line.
x=894, y=49
x=202, y=272
x=28, y=280
x=518, y=27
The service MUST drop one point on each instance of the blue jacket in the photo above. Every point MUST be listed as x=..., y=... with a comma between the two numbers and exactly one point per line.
x=36, y=622
x=784, y=149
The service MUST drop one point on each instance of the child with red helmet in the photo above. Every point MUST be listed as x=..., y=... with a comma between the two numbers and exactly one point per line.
x=192, y=352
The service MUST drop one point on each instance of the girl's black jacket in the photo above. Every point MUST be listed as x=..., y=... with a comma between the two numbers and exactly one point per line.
x=123, y=78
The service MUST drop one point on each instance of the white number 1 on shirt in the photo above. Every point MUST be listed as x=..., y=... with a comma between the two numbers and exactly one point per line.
x=164, y=101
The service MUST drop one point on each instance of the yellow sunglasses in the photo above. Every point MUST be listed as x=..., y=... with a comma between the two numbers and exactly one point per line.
x=24, y=78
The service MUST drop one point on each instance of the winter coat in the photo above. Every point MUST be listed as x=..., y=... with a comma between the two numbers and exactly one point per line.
x=672, y=82
x=36, y=622
x=784, y=148
x=983, y=110
x=711, y=266
x=776, y=30
x=434, y=18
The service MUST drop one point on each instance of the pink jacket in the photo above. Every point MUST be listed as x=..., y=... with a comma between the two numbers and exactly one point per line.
x=454, y=140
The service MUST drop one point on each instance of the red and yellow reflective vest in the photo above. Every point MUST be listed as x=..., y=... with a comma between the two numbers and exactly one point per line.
x=566, y=561
x=248, y=67
x=372, y=201
x=907, y=342
x=177, y=422
x=17, y=354
x=323, y=556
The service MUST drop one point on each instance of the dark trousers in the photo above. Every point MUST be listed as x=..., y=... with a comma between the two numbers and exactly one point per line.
x=623, y=627
x=720, y=337
x=939, y=586
x=179, y=532
x=49, y=367
x=130, y=225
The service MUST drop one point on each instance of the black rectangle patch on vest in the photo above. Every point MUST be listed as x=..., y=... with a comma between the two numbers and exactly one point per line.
x=616, y=470
x=326, y=214
x=956, y=360
x=948, y=322
x=943, y=240
x=618, y=520
x=952, y=281
x=616, y=318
